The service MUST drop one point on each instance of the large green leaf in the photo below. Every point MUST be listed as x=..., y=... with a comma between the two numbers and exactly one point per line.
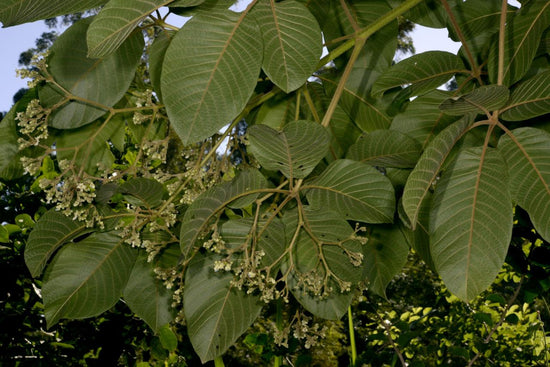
x=386, y=148
x=295, y=150
x=210, y=71
x=87, y=278
x=209, y=204
x=157, y=51
x=13, y=12
x=324, y=235
x=426, y=172
x=355, y=190
x=422, y=119
x=530, y=98
x=216, y=312
x=386, y=253
x=523, y=33
x=114, y=23
x=292, y=42
x=423, y=72
x=51, y=232
x=101, y=81
x=146, y=191
x=10, y=167
x=147, y=296
x=419, y=238
x=527, y=155
x=277, y=112
x=471, y=222
x=482, y=100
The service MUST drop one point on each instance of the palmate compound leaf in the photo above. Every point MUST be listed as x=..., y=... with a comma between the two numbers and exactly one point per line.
x=292, y=42
x=217, y=313
x=114, y=23
x=484, y=99
x=530, y=98
x=13, y=12
x=355, y=190
x=322, y=231
x=423, y=72
x=52, y=231
x=385, y=254
x=101, y=81
x=386, y=148
x=209, y=204
x=523, y=33
x=87, y=278
x=210, y=70
x=471, y=221
x=428, y=167
x=147, y=296
x=295, y=150
x=527, y=155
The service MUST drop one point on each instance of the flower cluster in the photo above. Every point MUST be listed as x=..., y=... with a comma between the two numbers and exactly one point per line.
x=32, y=124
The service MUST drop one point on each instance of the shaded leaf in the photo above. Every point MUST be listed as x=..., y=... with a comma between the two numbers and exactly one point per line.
x=530, y=98
x=295, y=150
x=157, y=51
x=147, y=296
x=148, y=192
x=217, y=317
x=292, y=42
x=527, y=155
x=277, y=112
x=484, y=99
x=10, y=166
x=427, y=169
x=429, y=13
x=471, y=222
x=51, y=232
x=186, y=3
x=87, y=278
x=386, y=148
x=102, y=81
x=13, y=12
x=423, y=72
x=355, y=190
x=210, y=70
x=168, y=338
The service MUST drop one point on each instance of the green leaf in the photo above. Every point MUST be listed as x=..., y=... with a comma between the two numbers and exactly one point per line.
x=13, y=12
x=530, y=98
x=277, y=112
x=168, y=338
x=422, y=119
x=147, y=191
x=484, y=99
x=216, y=312
x=209, y=204
x=355, y=190
x=51, y=232
x=4, y=235
x=114, y=23
x=87, y=278
x=385, y=253
x=295, y=150
x=386, y=148
x=423, y=72
x=157, y=52
x=209, y=73
x=426, y=172
x=186, y=3
x=323, y=231
x=292, y=42
x=523, y=33
x=429, y=13
x=526, y=152
x=471, y=221
x=101, y=81
x=147, y=296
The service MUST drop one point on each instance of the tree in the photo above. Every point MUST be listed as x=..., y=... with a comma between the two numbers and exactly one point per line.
x=236, y=166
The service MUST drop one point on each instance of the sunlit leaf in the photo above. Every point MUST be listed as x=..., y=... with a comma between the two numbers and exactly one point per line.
x=114, y=23
x=530, y=98
x=427, y=169
x=355, y=190
x=216, y=312
x=527, y=155
x=292, y=42
x=210, y=70
x=471, y=222
x=101, y=81
x=87, y=278
x=13, y=12
x=295, y=150
x=386, y=148
x=482, y=100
